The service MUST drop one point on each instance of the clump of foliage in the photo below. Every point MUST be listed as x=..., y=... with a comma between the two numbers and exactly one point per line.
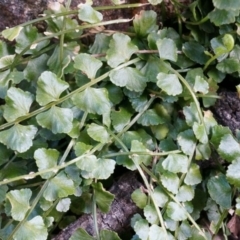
x=72, y=112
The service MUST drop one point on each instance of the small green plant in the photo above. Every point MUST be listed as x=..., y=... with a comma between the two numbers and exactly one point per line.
x=72, y=112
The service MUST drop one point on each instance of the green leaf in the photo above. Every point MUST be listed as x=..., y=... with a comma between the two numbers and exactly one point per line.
x=128, y=77
x=120, y=118
x=98, y=133
x=120, y=50
x=15, y=76
x=139, y=103
x=58, y=120
x=176, y=163
x=139, y=198
x=193, y=176
x=137, y=146
x=150, y=118
x=18, y=104
x=201, y=85
x=73, y=172
x=233, y=172
x=87, y=64
x=87, y=14
x=35, y=67
x=152, y=67
x=213, y=211
x=195, y=51
x=196, y=235
x=191, y=114
x=26, y=37
x=150, y=214
x=229, y=148
x=167, y=49
x=187, y=141
x=220, y=47
x=33, y=229
x=100, y=45
x=169, y=83
x=115, y=93
x=222, y=16
x=81, y=148
x=18, y=137
x=108, y=235
x=126, y=161
x=45, y=159
x=63, y=205
x=200, y=132
x=6, y=61
x=203, y=151
x=81, y=234
x=4, y=83
x=170, y=181
x=193, y=74
x=141, y=228
x=160, y=196
x=145, y=23
x=186, y=193
x=229, y=65
x=19, y=200
x=160, y=131
x=4, y=50
x=60, y=186
x=93, y=100
x=140, y=136
x=3, y=192
x=184, y=231
x=96, y=167
x=58, y=65
x=103, y=198
x=229, y=5
x=11, y=33
x=158, y=233
x=220, y=191
x=170, y=224
x=176, y=212
x=49, y=88
x=218, y=132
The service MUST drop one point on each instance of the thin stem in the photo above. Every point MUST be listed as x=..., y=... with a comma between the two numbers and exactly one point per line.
x=203, y=20
x=144, y=180
x=209, y=62
x=160, y=217
x=94, y=211
x=53, y=169
x=59, y=33
x=219, y=223
x=173, y=198
x=189, y=164
x=91, y=83
x=61, y=45
x=27, y=59
x=67, y=151
x=61, y=48
x=183, y=80
x=134, y=120
x=141, y=153
x=36, y=200
x=68, y=4
x=208, y=96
